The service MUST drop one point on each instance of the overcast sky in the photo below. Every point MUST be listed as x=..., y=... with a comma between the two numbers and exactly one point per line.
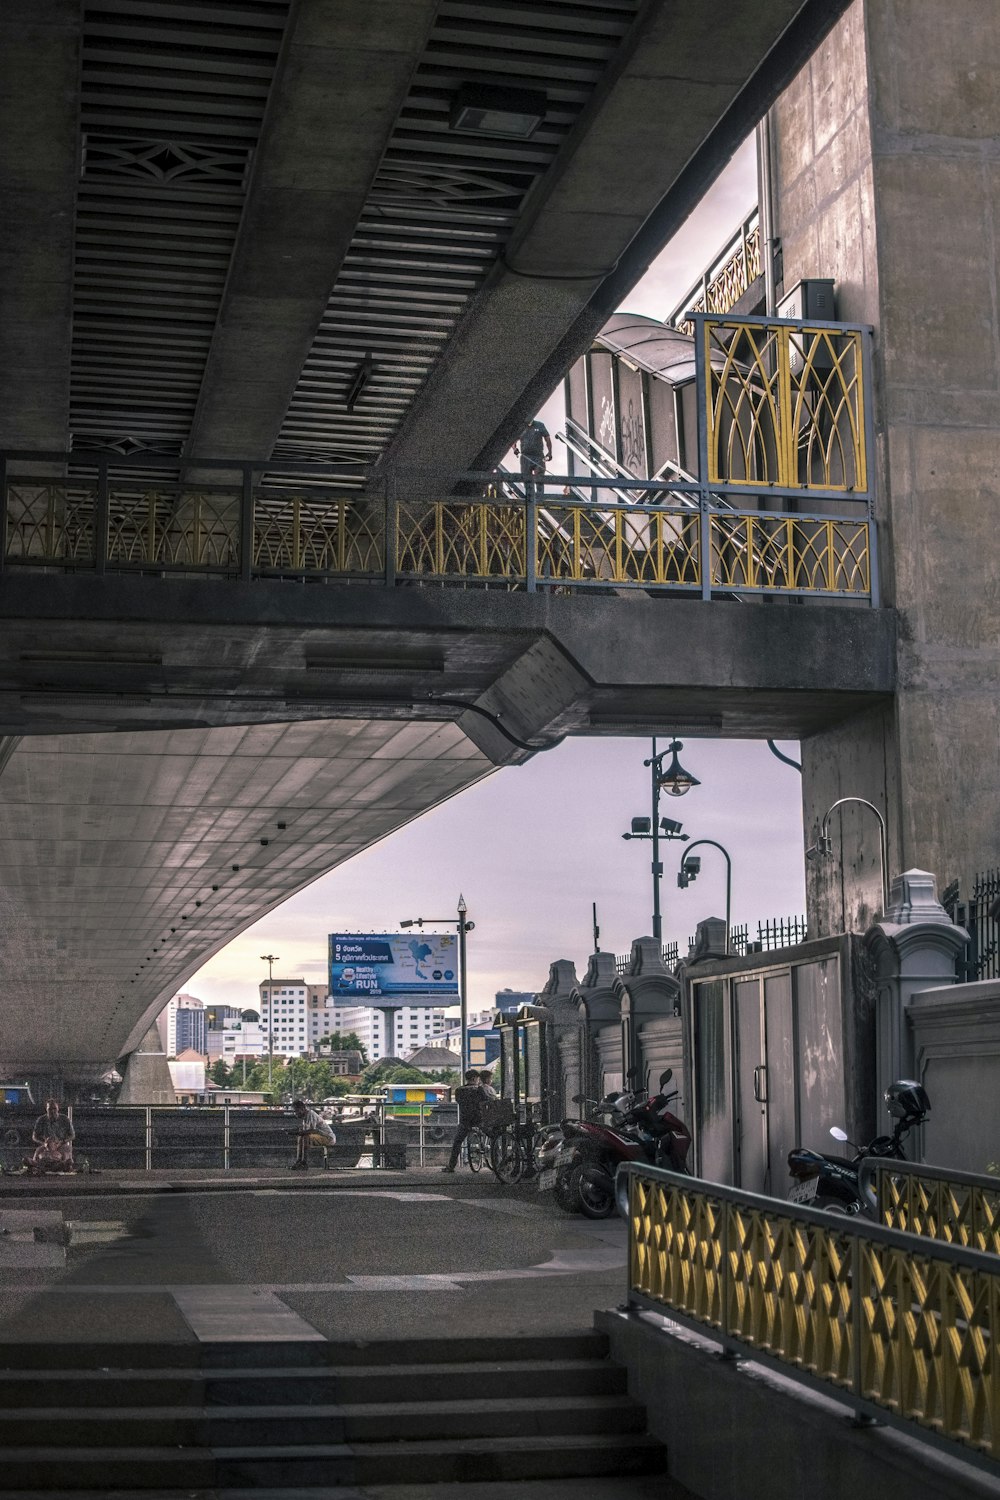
x=533, y=846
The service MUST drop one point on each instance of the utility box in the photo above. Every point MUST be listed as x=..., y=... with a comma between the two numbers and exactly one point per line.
x=809, y=302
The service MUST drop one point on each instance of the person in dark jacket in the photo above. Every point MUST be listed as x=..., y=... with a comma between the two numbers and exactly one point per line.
x=470, y=1098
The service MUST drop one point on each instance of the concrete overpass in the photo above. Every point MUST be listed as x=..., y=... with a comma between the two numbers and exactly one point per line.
x=258, y=236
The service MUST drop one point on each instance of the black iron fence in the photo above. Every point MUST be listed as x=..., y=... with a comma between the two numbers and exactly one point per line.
x=980, y=916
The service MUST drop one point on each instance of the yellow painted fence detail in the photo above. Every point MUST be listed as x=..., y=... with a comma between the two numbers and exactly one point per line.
x=907, y=1325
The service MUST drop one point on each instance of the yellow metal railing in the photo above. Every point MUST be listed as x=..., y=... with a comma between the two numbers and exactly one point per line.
x=784, y=405
x=897, y=1326
x=958, y=1208
x=470, y=542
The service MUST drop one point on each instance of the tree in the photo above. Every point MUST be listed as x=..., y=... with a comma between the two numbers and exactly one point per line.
x=219, y=1073
x=380, y=1073
x=345, y=1041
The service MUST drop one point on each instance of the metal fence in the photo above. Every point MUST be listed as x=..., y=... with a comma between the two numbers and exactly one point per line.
x=902, y=1329
x=980, y=916
x=176, y=1137
x=785, y=415
x=959, y=1208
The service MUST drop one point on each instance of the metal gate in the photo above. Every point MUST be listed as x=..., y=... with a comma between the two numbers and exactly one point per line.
x=782, y=1048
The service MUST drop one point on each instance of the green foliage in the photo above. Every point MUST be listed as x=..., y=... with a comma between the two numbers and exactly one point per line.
x=345, y=1041
x=219, y=1073
x=380, y=1073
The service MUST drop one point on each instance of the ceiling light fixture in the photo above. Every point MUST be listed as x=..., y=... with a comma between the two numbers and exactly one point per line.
x=482, y=109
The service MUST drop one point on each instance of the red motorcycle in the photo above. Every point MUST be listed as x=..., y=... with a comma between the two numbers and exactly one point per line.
x=646, y=1130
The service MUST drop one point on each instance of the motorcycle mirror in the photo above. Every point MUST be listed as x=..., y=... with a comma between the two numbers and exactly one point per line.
x=578, y=1099
x=837, y=1133
x=665, y=1078
x=631, y=1072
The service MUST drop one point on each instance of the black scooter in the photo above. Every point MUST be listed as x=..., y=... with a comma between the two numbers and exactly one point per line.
x=834, y=1182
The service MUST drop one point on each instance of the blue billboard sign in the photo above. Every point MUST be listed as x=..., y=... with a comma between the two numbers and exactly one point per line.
x=387, y=968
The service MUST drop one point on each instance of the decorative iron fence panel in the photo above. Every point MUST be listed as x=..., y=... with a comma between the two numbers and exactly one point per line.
x=898, y=1327
x=785, y=417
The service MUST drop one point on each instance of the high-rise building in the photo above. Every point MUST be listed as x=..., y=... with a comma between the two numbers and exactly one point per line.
x=414, y=1026
x=298, y=1014
x=182, y=1025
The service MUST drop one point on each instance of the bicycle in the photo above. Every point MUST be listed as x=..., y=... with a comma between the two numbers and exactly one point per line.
x=477, y=1149
x=512, y=1153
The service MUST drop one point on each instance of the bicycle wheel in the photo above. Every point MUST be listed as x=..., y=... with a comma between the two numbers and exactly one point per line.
x=477, y=1150
x=505, y=1158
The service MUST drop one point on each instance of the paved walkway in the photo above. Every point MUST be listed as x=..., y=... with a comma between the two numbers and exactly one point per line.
x=196, y=1256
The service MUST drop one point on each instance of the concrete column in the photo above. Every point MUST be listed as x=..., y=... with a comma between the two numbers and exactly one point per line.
x=146, y=1079
x=916, y=947
x=887, y=177
x=563, y=1026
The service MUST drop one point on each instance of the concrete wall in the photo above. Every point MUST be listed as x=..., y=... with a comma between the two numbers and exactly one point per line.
x=888, y=179
x=738, y=1431
x=955, y=1036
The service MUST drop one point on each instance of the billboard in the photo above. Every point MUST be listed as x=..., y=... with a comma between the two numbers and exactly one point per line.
x=394, y=968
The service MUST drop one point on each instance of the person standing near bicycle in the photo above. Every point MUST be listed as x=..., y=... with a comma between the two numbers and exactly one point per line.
x=471, y=1099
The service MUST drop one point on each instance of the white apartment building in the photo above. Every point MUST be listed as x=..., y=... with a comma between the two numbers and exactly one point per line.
x=248, y=1039
x=298, y=1014
x=415, y=1026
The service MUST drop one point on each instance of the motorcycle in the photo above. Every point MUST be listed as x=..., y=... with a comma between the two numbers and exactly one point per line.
x=645, y=1130
x=558, y=1152
x=835, y=1182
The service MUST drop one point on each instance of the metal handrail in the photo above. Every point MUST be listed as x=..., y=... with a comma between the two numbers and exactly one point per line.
x=901, y=1328
x=957, y=1208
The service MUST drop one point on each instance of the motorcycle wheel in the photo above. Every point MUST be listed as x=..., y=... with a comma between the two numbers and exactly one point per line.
x=833, y=1206
x=566, y=1196
x=596, y=1202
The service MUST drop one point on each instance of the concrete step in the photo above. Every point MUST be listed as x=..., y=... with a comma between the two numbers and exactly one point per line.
x=247, y=1354
x=442, y=1461
x=211, y=1426
x=329, y=1386
x=449, y=1460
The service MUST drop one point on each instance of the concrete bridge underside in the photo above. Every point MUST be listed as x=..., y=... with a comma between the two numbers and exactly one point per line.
x=213, y=219
x=181, y=758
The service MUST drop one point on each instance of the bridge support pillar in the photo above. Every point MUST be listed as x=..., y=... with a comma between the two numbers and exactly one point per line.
x=884, y=183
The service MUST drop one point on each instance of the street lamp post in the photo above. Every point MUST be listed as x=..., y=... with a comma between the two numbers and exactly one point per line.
x=463, y=926
x=675, y=781
x=690, y=868
x=270, y=959
x=824, y=845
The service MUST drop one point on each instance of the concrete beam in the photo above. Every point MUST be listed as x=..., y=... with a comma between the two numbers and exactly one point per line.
x=79, y=653
x=39, y=114
x=344, y=71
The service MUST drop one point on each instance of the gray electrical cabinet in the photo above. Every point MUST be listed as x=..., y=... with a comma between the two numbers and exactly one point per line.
x=809, y=302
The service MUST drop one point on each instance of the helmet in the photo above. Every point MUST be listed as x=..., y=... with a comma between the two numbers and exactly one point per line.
x=907, y=1100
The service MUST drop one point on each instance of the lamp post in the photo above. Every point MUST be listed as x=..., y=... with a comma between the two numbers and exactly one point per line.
x=463, y=926
x=675, y=781
x=270, y=959
x=823, y=848
x=690, y=869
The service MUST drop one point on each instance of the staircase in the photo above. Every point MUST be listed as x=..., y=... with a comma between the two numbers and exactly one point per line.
x=305, y=1416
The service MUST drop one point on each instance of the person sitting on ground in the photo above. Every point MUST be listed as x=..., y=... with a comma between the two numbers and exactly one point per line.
x=53, y=1136
x=313, y=1131
x=470, y=1100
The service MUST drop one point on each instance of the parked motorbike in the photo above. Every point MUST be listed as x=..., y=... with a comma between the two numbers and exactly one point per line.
x=558, y=1153
x=835, y=1182
x=645, y=1130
